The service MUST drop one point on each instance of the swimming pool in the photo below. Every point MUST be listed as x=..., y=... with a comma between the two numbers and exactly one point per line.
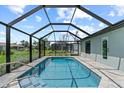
x=63, y=72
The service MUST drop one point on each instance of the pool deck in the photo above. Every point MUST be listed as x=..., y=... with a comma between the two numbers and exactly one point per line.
x=110, y=78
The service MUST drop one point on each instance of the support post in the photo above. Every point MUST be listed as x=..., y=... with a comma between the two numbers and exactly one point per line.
x=30, y=49
x=39, y=48
x=8, y=59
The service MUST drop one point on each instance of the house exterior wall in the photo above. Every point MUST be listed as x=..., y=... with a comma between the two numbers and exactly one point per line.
x=115, y=48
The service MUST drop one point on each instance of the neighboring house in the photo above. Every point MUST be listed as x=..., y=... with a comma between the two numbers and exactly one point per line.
x=73, y=47
x=13, y=46
x=17, y=46
x=60, y=46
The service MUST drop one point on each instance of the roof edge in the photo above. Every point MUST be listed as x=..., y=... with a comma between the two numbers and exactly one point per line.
x=113, y=27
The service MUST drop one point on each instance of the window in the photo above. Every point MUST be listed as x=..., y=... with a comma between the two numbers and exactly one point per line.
x=87, y=47
x=104, y=48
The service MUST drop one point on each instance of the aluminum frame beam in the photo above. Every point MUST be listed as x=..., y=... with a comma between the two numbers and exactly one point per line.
x=40, y=29
x=69, y=33
x=22, y=32
x=74, y=35
x=72, y=18
x=62, y=41
x=49, y=22
x=60, y=6
x=80, y=29
x=107, y=29
x=60, y=31
x=94, y=15
x=16, y=29
x=46, y=35
x=60, y=24
x=25, y=15
x=72, y=26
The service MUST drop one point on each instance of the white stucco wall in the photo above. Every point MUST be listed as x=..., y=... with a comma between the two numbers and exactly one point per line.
x=115, y=45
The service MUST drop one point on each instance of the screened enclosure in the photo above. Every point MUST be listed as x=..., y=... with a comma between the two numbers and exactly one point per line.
x=56, y=35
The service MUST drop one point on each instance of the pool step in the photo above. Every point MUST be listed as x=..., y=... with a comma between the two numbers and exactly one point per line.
x=32, y=82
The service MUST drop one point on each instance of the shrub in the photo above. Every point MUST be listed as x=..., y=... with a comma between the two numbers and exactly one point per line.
x=3, y=52
x=12, y=52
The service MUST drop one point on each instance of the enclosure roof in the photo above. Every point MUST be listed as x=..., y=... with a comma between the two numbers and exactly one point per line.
x=74, y=21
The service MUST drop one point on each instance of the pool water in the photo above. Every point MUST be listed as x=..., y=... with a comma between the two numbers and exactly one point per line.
x=63, y=72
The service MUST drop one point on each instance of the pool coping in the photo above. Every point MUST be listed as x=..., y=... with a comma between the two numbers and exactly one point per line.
x=103, y=79
x=105, y=82
x=108, y=80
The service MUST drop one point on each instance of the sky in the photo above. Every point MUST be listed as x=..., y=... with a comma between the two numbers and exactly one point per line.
x=39, y=19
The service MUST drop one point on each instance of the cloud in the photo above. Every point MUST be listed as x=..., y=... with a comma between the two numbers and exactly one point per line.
x=117, y=10
x=88, y=28
x=111, y=13
x=64, y=13
x=81, y=15
x=101, y=25
x=2, y=33
x=16, y=9
x=38, y=18
x=91, y=28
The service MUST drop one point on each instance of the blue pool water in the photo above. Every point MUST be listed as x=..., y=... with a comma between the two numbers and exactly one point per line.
x=59, y=72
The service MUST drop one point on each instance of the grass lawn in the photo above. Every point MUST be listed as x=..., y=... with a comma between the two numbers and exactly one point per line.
x=2, y=59
x=20, y=55
x=58, y=53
